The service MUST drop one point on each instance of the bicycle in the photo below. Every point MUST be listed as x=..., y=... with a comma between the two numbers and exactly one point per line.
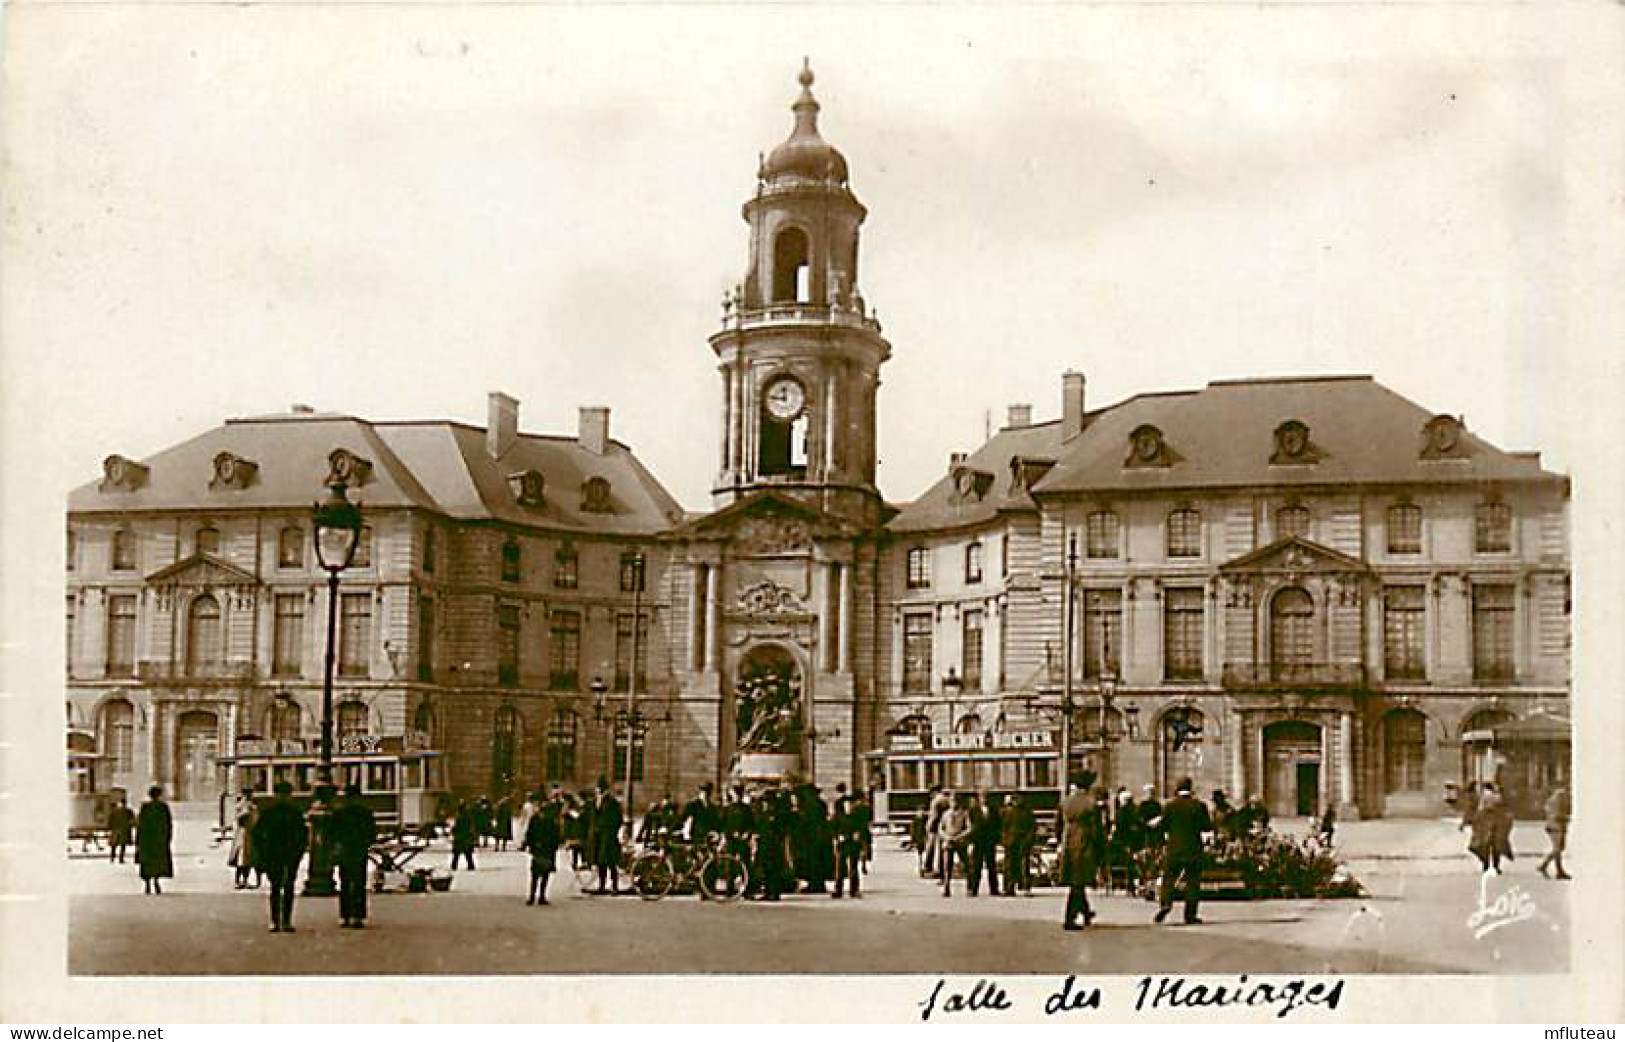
x=718, y=873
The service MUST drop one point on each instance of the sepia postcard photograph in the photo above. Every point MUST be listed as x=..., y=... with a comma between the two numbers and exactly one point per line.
x=1081, y=513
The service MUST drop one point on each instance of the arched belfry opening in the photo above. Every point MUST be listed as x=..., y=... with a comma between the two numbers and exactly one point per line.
x=783, y=448
x=792, y=267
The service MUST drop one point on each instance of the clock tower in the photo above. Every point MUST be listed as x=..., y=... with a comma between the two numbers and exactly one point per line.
x=799, y=351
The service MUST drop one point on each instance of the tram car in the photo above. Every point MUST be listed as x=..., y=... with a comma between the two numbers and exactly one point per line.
x=999, y=763
x=400, y=779
x=88, y=802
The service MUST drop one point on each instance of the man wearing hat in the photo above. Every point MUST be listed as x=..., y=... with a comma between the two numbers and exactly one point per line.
x=280, y=839
x=1185, y=820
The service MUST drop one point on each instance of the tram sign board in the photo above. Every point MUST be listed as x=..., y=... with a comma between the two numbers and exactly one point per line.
x=1035, y=740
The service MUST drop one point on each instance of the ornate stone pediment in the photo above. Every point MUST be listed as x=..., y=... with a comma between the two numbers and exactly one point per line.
x=767, y=525
x=202, y=570
x=769, y=598
x=1294, y=555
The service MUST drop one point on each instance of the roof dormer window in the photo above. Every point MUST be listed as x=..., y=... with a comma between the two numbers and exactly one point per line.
x=232, y=471
x=528, y=488
x=595, y=496
x=123, y=475
x=1292, y=444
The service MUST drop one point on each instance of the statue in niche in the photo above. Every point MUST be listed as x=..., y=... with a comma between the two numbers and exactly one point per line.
x=767, y=705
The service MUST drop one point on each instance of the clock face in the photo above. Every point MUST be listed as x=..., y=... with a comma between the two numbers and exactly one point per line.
x=785, y=397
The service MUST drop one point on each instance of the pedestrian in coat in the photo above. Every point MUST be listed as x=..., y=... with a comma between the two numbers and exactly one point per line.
x=770, y=869
x=941, y=802
x=353, y=830
x=1150, y=819
x=464, y=836
x=542, y=838
x=604, y=840
x=1127, y=837
x=953, y=842
x=1083, y=845
x=1185, y=821
x=1020, y=831
x=502, y=824
x=1491, y=838
x=483, y=816
x=1557, y=830
x=154, y=832
x=848, y=828
x=280, y=839
x=987, y=827
x=242, y=845
x=917, y=839
x=1469, y=805
x=120, y=823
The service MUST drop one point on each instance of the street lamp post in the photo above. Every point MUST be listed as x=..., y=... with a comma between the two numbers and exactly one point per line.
x=337, y=534
x=1067, y=626
x=639, y=563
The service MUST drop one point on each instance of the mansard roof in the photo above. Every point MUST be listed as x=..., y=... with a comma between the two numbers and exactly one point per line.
x=434, y=465
x=1226, y=435
x=944, y=505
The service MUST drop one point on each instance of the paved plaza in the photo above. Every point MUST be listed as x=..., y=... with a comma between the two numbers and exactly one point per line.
x=1423, y=890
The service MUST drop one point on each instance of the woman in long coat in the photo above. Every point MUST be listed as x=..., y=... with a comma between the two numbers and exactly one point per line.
x=242, y=842
x=154, y=831
x=1083, y=844
x=1492, y=832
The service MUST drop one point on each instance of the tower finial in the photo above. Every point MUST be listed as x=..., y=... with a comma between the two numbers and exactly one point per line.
x=806, y=76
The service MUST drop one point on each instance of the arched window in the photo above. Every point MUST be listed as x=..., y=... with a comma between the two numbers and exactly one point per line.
x=1292, y=521
x=208, y=540
x=1184, y=534
x=1404, y=744
x=118, y=735
x=970, y=723
x=792, y=275
x=504, y=749
x=423, y=721
x=916, y=724
x=561, y=746
x=352, y=720
x=1292, y=634
x=1101, y=534
x=285, y=722
x=203, y=643
x=290, y=547
x=510, y=561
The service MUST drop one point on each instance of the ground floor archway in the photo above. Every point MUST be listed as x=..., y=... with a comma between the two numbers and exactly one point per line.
x=197, y=752
x=1292, y=766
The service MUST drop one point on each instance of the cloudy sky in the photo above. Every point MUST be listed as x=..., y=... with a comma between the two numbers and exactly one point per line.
x=223, y=210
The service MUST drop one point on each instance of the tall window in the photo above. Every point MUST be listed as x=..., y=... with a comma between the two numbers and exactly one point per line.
x=69, y=635
x=203, y=636
x=118, y=735
x=1102, y=632
x=633, y=566
x=1404, y=615
x=121, y=635
x=970, y=658
x=290, y=547
x=71, y=551
x=1492, y=632
x=352, y=720
x=1404, y=743
x=507, y=645
x=565, y=567
x=1182, y=633
x=355, y=634
x=510, y=561
x=1101, y=531
x=622, y=734
x=285, y=721
x=564, y=650
x=123, y=550
x=919, y=568
x=973, y=563
x=504, y=748
x=208, y=540
x=561, y=746
x=1404, y=529
x=430, y=550
x=1492, y=528
x=363, y=549
x=1004, y=555
x=287, y=657
x=917, y=652
x=1184, y=534
x=425, y=638
x=624, y=650
x=1292, y=633
x=791, y=272
x=1292, y=521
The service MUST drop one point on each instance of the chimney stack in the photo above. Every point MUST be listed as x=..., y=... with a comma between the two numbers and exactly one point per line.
x=1021, y=415
x=501, y=424
x=594, y=436
x=1072, y=404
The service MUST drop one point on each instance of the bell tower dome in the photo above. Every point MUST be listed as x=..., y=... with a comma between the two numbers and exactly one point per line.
x=799, y=351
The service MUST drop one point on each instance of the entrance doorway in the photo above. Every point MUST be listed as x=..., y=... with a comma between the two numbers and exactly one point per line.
x=1292, y=768
x=197, y=747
